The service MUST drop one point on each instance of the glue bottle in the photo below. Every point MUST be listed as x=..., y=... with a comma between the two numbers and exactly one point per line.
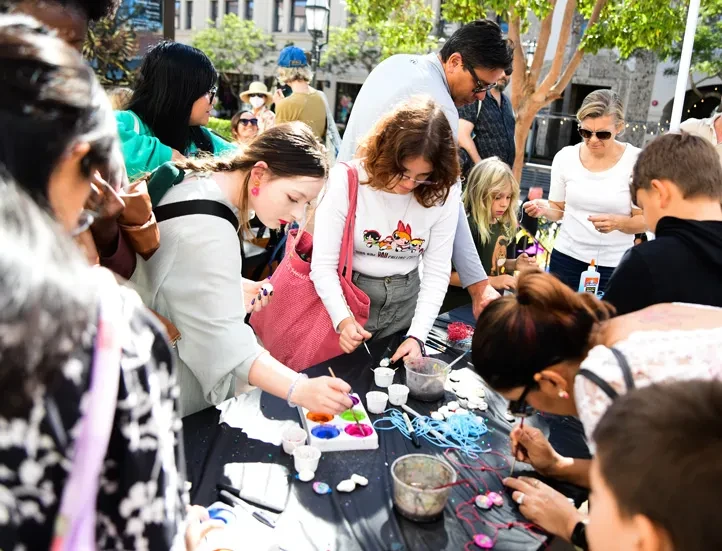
x=226, y=538
x=589, y=282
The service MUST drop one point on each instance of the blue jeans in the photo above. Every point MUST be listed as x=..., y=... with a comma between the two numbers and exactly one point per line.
x=569, y=270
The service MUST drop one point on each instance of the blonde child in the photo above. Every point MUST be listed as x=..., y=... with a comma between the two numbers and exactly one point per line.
x=490, y=200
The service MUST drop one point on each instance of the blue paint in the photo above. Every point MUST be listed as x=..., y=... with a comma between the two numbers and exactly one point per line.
x=325, y=432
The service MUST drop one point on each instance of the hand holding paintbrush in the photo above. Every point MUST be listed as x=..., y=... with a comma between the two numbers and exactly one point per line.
x=353, y=413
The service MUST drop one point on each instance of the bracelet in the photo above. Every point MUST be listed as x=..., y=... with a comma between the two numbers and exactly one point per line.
x=300, y=377
x=421, y=343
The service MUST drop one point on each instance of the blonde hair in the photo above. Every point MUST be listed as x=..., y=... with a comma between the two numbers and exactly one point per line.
x=486, y=180
x=292, y=74
x=602, y=103
x=119, y=97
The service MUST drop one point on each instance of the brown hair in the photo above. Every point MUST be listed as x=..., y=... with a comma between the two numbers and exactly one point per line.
x=691, y=162
x=417, y=128
x=658, y=450
x=290, y=150
x=545, y=323
x=235, y=120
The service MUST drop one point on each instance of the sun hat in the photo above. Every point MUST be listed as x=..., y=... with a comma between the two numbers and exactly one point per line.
x=257, y=88
x=292, y=56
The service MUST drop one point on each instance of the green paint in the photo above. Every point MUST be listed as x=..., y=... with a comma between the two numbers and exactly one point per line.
x=348, y=415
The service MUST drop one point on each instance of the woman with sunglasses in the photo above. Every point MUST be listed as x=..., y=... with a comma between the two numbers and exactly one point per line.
x=407, y=210
x=170, y=106
x=260, y=99
x=244, y=127
x=561, y=352
x=590, y=194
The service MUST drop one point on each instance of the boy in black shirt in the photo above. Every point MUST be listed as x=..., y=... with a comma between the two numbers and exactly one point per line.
x=677, y=181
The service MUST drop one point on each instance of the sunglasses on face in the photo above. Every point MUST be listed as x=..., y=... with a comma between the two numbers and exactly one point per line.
x=601, y=135
x=246, y=122
x=480, y=86
x=212, y=94
x=257, y=96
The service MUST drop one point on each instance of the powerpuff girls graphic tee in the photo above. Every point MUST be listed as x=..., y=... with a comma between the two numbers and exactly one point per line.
x=392, y=233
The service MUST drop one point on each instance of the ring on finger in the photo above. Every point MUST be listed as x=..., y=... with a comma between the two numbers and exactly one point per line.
x=520, y=499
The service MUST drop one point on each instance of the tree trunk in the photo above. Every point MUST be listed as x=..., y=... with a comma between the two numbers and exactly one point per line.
x=524, y=121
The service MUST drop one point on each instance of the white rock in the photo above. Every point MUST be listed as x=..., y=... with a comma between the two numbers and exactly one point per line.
x=483, y=406
x=385, y=362
x=360, y=480
x=346, y=486
x=509, y=417
x=461, y=392
x=461, y=411
x=479, y=391
x=443, y=410
x=306, y=476
x=463, y=402
x=455, y=376
x=447, y=413
x=436, y=415
x=452, y=406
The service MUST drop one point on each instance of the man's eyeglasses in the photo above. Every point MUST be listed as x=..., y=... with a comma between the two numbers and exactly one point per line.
x=417, y=182
x=246, y=122
x=603, y=135
x=480, y=86
x=519, y=407
x=212, y=94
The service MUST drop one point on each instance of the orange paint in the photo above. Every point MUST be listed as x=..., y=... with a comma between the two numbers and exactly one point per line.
x=319, y=417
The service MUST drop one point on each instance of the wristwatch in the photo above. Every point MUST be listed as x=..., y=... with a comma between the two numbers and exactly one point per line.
x=579, y=535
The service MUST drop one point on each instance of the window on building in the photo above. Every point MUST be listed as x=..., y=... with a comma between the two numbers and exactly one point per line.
x=248, y=10
x=214, y=11
x=299, y=16
x=189, y=14
x=278, y=16
x=231, y=7
x=177, y=14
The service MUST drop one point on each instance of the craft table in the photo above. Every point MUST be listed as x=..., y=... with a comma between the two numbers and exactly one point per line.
x=365, y=519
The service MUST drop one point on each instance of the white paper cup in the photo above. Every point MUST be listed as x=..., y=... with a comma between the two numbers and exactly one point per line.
x=292, y=438
x=305, y=458
x=376, y=401
x=398, y=394
x=383, y=376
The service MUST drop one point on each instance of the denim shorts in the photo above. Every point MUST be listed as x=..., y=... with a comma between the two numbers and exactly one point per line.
x=393, y=301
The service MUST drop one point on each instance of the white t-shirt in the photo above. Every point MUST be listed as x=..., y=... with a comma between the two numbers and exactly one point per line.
x=587, y=193
x=391, y=234
x=654, y=357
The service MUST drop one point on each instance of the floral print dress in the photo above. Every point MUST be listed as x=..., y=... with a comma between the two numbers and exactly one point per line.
x=141, y=501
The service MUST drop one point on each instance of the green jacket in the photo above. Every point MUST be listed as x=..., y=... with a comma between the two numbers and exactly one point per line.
x=143, y=152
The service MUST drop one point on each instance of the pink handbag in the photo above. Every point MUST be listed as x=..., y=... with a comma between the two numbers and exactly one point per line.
x=295, y=327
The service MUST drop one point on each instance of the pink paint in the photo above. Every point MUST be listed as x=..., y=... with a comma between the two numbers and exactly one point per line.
x=359, y=430
x=496, y=499
x=483, y=541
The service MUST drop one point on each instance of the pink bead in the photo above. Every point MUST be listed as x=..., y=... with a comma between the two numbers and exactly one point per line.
x=483, y=502
x=255, y=191
x=483, y=541
x=496, y=499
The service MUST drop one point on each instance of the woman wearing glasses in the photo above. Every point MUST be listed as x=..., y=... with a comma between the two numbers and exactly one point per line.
x=561, y=352
x=260, y=99
x=407, y=210
x=590, y=194
x=244, y=127
x=171, y=103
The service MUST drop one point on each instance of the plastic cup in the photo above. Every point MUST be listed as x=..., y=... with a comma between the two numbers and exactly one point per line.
x=415, y=479
x=383, y=376
x=398, y=394
x=376, y=401
x=305, y=458
x=426, y=377
x=292, y=438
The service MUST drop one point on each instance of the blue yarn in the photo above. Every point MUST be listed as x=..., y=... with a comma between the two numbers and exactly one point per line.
x=459, y=432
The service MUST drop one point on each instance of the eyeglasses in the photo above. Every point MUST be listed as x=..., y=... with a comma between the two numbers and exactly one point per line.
x=212, y=94
x=257, y=96
x=480, y=87
x=89, y=214
x=417, y=182
x=246, y=122
x=519, y=407
x=603, y=135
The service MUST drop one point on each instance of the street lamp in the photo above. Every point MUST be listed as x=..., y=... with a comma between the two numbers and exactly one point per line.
x=317, y=21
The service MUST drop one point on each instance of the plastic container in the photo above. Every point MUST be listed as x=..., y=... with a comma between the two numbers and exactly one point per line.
x=376, y=401
x=305, y=458
x=227, y=537
x=426, y=377
x=383, y=376
x=589, y=280
x=292, y=438
x=398, y=394
x=414, y=478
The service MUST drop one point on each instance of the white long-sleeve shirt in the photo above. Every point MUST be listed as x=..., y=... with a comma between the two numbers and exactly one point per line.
x=194, y=279
x=392, y=233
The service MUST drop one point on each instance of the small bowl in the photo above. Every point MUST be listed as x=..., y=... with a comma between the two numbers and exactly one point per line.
x=398, y=394
x=376, y=401
x=414, y=478
x=305, y=458
x=383, y=376
x=426, y=377
x=292, y=438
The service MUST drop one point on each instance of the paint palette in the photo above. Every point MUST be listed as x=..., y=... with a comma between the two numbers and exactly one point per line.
x=340, y=432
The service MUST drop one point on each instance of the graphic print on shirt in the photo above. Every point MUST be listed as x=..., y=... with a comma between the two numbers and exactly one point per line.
x=498, y=256
x=401, y=240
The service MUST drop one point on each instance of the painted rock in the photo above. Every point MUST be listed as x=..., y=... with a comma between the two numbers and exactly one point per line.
x=360, y=480
x=321, y=488
x=455, y=376
x=482, y=501
x=483, y=541
x=305, y=476
x=509, y=417
x=496, y=499
x=346, y=486
x=436, y=415
x=452, y=406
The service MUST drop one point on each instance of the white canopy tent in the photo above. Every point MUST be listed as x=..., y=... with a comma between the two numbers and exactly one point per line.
x=684, y=65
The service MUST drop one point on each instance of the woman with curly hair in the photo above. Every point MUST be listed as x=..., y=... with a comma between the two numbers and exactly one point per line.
x=407, y=197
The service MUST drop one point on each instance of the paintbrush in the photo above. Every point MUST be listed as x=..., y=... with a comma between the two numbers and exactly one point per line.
x=364, y=342
x=452, y=364
x=353, y=413
x=513, y=452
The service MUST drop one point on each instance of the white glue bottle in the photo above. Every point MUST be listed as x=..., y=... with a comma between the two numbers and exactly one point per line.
x=589, y=282
x=226, y=538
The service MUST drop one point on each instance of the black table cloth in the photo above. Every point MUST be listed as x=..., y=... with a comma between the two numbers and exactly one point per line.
x=365, y=519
